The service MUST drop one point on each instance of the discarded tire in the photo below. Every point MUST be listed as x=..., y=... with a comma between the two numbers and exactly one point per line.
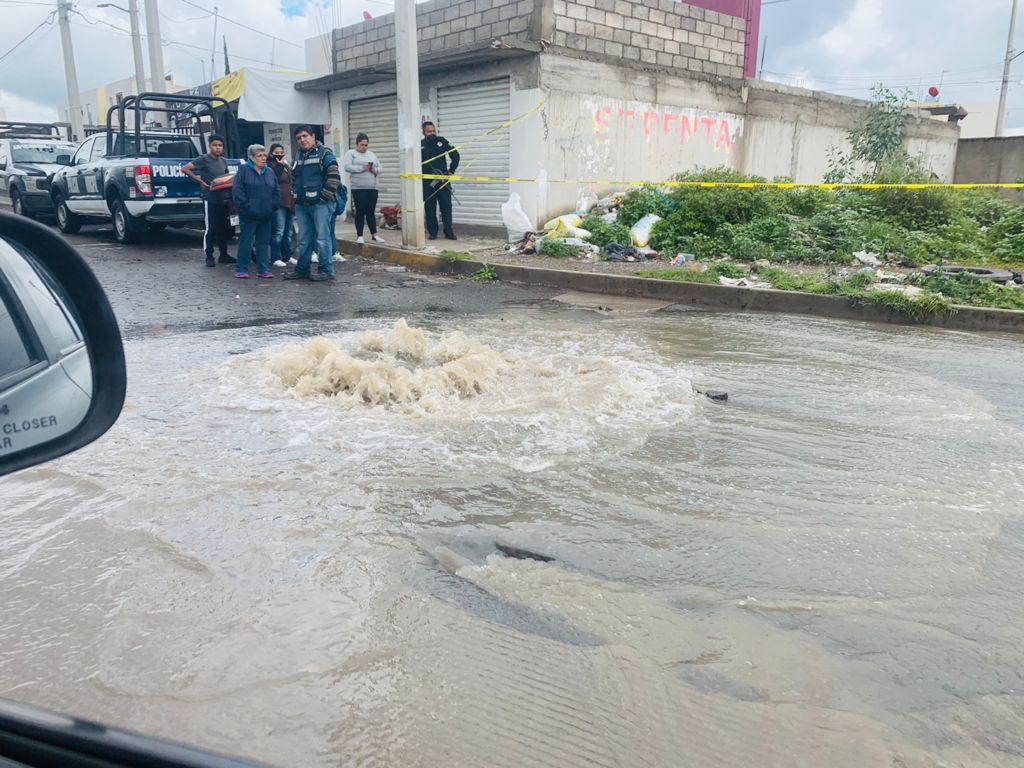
x=982, y=273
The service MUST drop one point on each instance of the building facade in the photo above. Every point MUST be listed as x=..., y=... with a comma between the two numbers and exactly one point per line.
x=573, y=95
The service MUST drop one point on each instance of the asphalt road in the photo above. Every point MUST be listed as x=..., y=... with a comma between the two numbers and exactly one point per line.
x=162, y=285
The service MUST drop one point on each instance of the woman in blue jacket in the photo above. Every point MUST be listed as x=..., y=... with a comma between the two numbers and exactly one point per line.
x=257, y=195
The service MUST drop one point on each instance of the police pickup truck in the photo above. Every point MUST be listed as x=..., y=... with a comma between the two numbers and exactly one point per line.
x=30, y=153
x=133, y=178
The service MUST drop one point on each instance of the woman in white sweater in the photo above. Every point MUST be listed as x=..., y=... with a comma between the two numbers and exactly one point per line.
x=363, y=169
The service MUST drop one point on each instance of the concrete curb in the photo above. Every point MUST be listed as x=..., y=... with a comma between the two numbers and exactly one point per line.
x=709, y=296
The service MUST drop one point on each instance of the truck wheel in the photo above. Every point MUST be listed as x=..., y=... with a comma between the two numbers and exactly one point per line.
x=18, y=204
x=124, y=225
x=68, y=222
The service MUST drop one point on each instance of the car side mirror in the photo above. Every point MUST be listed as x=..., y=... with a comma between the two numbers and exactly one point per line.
x=62, y=369
x=63, y=159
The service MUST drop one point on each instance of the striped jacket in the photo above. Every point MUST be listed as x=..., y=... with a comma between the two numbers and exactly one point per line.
x=316, y=177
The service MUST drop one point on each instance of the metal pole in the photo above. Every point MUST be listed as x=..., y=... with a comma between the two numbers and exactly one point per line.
x=410, y=161
x=1001, y=117
x=140, y=67
x=156, y=49
x=213, y=45
x=70, y=75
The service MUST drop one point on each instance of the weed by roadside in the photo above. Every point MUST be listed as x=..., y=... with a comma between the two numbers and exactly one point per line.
x=485, y=274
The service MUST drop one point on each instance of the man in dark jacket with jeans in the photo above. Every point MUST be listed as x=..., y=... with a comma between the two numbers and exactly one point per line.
x=257, y=195
x=437, y=152
x=315, y=182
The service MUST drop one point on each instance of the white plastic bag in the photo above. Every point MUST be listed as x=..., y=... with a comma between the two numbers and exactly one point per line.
x=516, y=221
x=586, y=202
x=640, y=234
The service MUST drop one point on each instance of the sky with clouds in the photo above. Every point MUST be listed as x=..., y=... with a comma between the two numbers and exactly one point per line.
x=843, y=46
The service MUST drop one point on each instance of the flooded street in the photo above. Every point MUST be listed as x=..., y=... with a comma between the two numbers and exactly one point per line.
x=826, y=570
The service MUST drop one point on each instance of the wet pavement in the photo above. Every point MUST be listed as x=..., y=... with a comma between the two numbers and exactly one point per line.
x=293, y=544
x=162, y=284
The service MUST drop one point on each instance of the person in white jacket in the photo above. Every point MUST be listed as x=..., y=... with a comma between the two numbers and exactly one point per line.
x=363, y=168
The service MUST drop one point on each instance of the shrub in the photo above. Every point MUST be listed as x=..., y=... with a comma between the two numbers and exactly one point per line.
x=602, y=233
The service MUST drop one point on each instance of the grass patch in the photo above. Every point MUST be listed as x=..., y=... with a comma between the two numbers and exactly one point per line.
x=693, y=275
x=854, y=288
x=556, y=249
x=919, y=308
x=965, y=288
x=455, y=255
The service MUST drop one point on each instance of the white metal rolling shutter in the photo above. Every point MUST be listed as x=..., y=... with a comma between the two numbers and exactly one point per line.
x=463, y=113
x=378, y=119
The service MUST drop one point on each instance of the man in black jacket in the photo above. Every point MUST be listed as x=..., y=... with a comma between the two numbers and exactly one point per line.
x=436, y=153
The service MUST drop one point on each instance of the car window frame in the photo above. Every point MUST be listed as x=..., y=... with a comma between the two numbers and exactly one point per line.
x=39, y=360
x=79, y=151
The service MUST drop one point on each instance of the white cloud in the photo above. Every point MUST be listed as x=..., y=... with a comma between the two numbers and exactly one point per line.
x=863, y=32
x=25, y=110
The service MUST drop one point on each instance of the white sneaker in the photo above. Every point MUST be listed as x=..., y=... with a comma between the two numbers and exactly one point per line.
x=339, y=258
x=293, y=261
x=360, y=240
x=316, y=258
x=280, y=263
x=379, y=239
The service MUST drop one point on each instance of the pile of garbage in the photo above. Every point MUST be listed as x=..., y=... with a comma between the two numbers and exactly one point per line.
x=564, y=235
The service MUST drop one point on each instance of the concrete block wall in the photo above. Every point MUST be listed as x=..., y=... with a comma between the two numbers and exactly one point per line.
x=661, y=33
x=443, y=25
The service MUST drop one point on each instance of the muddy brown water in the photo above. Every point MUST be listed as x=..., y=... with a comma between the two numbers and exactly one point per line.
x=825, y=571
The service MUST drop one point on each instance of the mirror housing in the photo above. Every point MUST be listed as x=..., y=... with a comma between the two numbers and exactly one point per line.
x=62, y=368
x=63, y=160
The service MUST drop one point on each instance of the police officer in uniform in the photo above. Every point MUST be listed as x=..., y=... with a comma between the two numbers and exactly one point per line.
x=437, y=153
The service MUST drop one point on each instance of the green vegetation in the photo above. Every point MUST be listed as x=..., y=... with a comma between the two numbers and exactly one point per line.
x=556, y=249
x=815, y=226
x=965, y=288
x=454, y=255
x=601, y=233
x=485, y=274
x=693, y=275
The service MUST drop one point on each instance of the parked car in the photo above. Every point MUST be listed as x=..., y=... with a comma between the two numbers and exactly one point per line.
x=134, y=178
x=27, y=166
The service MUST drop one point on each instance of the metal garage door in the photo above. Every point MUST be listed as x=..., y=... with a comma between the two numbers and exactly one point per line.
x=464, y=112
x=378, y=119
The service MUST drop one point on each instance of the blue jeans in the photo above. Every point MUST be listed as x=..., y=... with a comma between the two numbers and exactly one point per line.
x=315, y=229
x=260, y=232
x=281, y=240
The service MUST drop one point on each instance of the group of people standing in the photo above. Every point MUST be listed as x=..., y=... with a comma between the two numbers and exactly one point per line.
x=270, y=196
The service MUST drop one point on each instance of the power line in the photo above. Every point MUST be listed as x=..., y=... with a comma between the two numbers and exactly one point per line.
x=124, y=31
x=43, y=23
x=243, y=26
x=182, y=21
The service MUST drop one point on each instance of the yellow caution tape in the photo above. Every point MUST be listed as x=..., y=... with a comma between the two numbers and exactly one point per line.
x=704, y=184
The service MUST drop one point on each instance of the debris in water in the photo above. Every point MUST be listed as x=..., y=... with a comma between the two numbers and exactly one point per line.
x=713, y=394
x=522, y=554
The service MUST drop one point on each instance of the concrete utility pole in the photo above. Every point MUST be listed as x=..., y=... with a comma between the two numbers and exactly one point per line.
x=156, y=48
x=408, y=73
x=70, y=74
x=1001, y=117
x=133, y=16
